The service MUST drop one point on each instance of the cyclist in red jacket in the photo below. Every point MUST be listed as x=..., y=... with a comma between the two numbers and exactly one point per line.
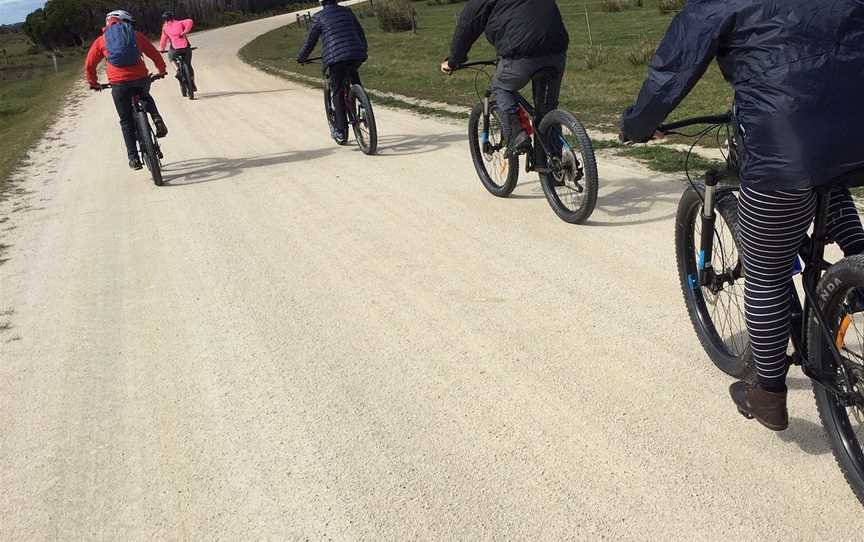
x=122, y=46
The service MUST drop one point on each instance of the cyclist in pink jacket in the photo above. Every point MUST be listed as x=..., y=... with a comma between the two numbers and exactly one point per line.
x=174, y=35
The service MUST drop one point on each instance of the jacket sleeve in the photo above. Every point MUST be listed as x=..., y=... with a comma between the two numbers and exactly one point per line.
x=472, y=22
x=147, y=48
x=163, y=39
x=311, y=41
x=94, y=57
x=686, y=51
x=186, y=26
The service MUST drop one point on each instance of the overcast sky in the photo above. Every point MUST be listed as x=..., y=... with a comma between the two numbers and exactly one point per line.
x=14, y=11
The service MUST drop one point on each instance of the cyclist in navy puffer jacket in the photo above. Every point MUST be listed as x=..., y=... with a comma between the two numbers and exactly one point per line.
x=344, y=49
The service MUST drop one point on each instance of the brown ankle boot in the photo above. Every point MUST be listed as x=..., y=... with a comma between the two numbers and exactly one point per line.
x=766, y=407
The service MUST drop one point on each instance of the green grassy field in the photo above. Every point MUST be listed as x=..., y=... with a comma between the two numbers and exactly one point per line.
x=31, y=93
x=407, y=63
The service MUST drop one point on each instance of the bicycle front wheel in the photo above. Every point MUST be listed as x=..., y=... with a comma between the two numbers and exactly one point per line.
x=716, y=310
x=497, y=173
x=365, y=129
x=840, y=293
x=148, y=147
x=571, y=184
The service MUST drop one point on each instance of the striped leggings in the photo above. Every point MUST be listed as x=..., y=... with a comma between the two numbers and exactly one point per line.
x=773, y=226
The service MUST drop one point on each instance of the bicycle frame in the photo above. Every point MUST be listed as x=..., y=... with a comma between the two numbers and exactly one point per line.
x=529, y=110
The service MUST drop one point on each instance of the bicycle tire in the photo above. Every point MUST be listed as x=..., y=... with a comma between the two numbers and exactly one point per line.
x=148, y=148
x=330, y=113
x=833, y=287
x=357, y=96
x=500, y=189
x=736, y=364
x=581, y=211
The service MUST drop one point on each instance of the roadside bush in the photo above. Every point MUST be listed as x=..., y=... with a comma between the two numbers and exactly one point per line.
x=668, y=6
x=614, y=6
x=595, y=56
x=642, y=54
x=395, y=15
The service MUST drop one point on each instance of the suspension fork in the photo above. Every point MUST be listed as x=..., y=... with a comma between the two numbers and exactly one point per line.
x=707, y=218
x=484, y=136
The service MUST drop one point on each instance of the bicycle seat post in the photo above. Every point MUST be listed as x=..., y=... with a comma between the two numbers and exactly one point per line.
x=818, y=240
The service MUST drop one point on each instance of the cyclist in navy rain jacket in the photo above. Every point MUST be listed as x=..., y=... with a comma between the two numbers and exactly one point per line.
x=797, y=69
x=344, y=49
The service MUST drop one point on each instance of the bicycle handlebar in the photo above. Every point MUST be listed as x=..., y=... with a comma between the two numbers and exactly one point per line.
x=152, y=77
x=314, y=60
x=476, y=63
x=709, y=119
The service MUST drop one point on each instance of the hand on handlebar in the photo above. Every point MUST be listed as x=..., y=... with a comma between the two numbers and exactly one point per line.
x=96, y=86
x=446, y=68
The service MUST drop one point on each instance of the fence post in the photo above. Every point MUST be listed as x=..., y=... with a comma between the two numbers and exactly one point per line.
x=54, y=58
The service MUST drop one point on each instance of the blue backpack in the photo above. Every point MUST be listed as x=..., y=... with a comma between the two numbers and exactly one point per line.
x=121, y=45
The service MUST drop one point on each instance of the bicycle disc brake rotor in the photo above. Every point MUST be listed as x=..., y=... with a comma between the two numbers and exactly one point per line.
x=568, y=169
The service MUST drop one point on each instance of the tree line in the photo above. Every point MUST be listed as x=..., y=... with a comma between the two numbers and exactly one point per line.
x=66, y=23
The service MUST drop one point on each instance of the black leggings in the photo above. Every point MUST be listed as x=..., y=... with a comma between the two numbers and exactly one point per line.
x=339, y=73
x=773, y=226
x=122, y=94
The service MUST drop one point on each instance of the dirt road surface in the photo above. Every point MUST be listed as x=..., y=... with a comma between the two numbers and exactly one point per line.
x=293, y=340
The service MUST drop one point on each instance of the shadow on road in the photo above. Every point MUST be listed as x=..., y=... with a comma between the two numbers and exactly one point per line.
x=630, y=199
x=810, y=437
x=404, y=145
x=205, y=170
x=226, y=94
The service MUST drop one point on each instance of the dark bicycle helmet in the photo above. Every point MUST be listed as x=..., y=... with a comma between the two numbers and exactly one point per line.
x=168, y=16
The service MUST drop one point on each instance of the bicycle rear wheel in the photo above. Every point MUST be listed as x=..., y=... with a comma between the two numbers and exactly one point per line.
x=717, y=313
x=839, y=294
x=147, y=143
x=330, y=113
x=365, y=129
x=498, y=174
x=571, y=184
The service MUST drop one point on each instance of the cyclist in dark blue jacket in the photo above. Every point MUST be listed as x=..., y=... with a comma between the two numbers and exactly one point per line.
x=344, y=49
x=797, y=69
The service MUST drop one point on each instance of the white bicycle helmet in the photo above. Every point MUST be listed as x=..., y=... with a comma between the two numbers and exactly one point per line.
x=120, y=14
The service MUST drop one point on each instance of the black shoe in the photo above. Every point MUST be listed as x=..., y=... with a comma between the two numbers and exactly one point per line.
x=766, y=407
x=339, y=136
x=518, y=140
x=161, y=129
x=135, y=163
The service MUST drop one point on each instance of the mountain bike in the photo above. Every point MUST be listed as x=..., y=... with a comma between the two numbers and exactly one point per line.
x=358, y=108
x=561, y=153
x=184, y=75
x=827, y=323
x=148, y=145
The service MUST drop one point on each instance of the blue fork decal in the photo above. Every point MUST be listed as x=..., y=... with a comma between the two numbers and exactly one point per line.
x=691, y=281
x=484, y=137
x=700, y=260
x=565, y=144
